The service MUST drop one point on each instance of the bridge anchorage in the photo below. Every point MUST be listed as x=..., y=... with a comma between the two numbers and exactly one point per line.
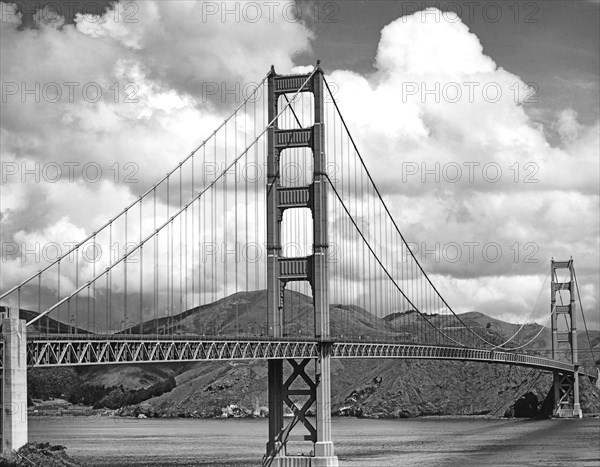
x=281, y=270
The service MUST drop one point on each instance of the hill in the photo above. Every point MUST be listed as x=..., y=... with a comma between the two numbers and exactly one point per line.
x=373, y=388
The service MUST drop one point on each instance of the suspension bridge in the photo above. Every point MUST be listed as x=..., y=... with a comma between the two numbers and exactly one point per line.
x=145, y=286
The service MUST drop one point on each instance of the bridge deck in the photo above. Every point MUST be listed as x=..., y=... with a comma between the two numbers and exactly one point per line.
x=58, y=350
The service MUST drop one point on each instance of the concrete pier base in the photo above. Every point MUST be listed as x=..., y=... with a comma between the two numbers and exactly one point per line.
x=568, y=413
x=301, y=461
x=566, y=396
x=330, y=461
x=14, y=382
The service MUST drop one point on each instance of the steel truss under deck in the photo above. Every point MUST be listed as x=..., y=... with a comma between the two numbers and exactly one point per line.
x=95, y=350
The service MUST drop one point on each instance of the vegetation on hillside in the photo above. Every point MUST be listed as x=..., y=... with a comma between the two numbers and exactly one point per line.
x=65, y=383
x=116, y=397
x=51, y=383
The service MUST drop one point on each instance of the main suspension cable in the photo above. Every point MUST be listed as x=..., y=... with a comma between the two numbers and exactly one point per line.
x=170, y=220
x=382, y=266
x=394, y=222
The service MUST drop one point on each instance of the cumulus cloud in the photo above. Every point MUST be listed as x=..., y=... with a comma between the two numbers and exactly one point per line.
x=442, y=127
x=421, y=44
x=447, y=138
x=567, y=126
x=109, y=92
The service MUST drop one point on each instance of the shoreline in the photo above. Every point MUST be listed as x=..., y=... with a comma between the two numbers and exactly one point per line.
x=60, y=409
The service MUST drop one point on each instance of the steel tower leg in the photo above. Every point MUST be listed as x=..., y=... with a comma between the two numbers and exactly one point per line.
x=324, y=452
x=14, y=382
x=275, y=375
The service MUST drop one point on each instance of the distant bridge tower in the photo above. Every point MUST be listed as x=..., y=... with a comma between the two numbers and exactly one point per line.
x=281, y=270
x=566, y=386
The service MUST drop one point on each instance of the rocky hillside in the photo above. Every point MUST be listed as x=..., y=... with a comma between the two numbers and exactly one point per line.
x=372, y=388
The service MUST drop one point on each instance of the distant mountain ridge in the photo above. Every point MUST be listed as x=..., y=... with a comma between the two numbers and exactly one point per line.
x=368, y=387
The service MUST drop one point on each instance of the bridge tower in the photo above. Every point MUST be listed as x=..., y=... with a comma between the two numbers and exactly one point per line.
x=281, y=270
x=566, y=385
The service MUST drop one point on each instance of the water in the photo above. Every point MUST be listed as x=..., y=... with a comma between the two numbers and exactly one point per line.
x=432, y=441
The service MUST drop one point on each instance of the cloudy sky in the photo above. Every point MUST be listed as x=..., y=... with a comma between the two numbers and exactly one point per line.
x=480, y=122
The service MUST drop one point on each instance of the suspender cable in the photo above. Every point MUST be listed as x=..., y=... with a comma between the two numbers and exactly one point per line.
x=77, y=296
x=181, y=229
x=235, y=212
x=213, y=226
x=193, y=304
x=583, y=316
x=225, y=230
x=384, y=205
x=140, y=330
x=109, y=277
x=147, y=193
x=247, y=209
x=202, y=245
x=156, y=268
x=168, y=222
x=374, y=254
x=125, y=317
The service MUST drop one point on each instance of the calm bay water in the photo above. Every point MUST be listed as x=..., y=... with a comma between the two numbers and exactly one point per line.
x=108, y=441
